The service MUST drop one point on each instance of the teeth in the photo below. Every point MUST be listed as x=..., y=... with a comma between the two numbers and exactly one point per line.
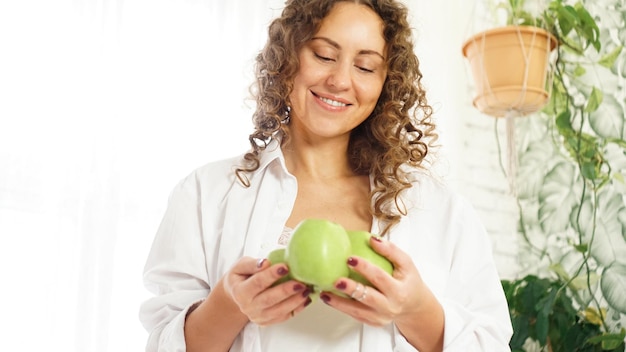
x=332, y=102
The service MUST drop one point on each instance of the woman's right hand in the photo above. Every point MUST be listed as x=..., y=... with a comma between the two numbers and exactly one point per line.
x=249, y=284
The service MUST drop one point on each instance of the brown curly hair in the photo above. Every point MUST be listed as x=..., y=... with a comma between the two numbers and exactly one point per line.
x=399, y=130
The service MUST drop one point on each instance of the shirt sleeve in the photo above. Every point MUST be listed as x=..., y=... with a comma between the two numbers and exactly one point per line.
x=454, y=256
x=175, y=271
x=475, y=307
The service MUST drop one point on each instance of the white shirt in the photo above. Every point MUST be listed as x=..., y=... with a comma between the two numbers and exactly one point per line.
x=212, y=221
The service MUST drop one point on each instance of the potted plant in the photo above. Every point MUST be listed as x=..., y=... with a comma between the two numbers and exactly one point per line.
x=510, y=68
x=570, y=186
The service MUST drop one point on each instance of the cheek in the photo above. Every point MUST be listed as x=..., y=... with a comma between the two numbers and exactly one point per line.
x=297, y=90
x=371, y=92
x=304, y=80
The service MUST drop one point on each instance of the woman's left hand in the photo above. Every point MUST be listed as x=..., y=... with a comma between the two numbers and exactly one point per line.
x=392, y=297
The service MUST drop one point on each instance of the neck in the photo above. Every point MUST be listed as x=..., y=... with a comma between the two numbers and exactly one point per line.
x=320, y=159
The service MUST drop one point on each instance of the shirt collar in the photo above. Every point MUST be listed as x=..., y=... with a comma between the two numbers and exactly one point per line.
x=271, y=153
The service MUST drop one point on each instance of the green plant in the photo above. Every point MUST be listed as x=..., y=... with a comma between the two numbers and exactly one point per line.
x=570, y=183
x=542, y=309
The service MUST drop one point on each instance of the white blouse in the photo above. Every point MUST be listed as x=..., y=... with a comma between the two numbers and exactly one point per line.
x=318, y=327
x=212, y=220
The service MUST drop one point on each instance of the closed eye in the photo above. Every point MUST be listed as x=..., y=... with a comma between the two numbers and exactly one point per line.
x=365, y=69
x=323, y=58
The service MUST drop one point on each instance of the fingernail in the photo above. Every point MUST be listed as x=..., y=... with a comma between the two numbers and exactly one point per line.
x=259, y=263
x=341, y=285
x=352, y=261
x=306, y=292
x=298, y=287
x=377, y=239
x=308, y=301
x=282, y=271
x=324, y=297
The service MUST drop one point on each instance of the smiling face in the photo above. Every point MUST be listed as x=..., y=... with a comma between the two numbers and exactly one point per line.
x=341, y=75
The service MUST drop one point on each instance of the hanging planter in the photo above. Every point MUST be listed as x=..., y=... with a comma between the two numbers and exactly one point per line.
x=510, y=68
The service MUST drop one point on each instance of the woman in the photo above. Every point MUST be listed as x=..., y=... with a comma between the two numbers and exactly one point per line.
x=342, y=129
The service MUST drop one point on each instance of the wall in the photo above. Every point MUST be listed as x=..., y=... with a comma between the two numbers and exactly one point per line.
x=469, y=158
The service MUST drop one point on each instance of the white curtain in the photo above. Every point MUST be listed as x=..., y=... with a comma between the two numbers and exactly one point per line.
x=104, y=106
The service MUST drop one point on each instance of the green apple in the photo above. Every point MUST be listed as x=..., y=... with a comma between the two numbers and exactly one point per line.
x=360, y=244
x=278, y=256
x=317, y=253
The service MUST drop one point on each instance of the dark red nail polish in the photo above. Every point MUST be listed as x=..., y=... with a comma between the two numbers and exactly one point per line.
x=282, y=271
x=307, y=292
x=341, y=285
x=352, y=261
x=324, y=297
x=308, y=301
x=298, y=287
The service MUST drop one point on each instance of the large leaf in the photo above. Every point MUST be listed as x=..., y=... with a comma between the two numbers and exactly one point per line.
x=622, y=219
x=619, y=67
x=609, y=121
x=609, y=244
x=594, y=100
x=568, y=267
x=614, y=287
x=528, y=215
x=590, y=30
x=609, y=59
x=534, y=163
x=530, y=130
x=557, y=198
x=616, y=158
x=567, y=18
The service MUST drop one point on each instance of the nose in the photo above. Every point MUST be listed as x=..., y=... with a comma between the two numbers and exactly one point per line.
x=340, y=77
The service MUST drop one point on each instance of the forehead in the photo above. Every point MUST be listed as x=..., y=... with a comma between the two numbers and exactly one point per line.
x=353, y=25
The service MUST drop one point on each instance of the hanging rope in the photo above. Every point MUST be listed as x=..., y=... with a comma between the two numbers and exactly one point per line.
x=511, y=151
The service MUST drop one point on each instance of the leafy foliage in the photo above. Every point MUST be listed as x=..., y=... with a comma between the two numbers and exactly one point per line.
x=571, y=190
x=542, y=310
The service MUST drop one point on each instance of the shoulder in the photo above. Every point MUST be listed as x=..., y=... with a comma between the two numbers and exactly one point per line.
x=430, y=192
x=217, y=178
x=427, y=186
x=220, y=172
x=210, y=178
x=216, y=170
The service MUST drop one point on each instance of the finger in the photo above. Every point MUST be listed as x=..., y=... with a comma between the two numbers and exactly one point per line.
x=278, y=294
x=393, y=253
x=372, y=273
x=244, y=268
x=356, y=292
x=284, y=309
x=359, y=301
x=264, y=278
x=248, y=266
x=302, y=306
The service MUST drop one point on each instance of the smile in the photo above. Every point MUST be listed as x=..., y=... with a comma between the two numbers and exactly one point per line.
x=332, y=102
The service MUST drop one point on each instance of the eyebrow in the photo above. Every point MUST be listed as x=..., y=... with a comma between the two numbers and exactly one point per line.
x=336, y=45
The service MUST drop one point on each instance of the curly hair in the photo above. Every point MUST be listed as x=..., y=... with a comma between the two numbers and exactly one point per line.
x=398, y=132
